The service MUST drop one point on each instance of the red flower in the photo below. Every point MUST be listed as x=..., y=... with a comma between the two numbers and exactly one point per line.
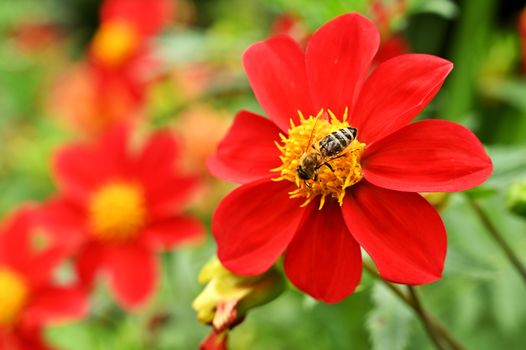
x=118, y=207
x=120, y=55
x=28, y=298
x=522, y=37
x=369, y=198
x=392, y=44
x=124, y=31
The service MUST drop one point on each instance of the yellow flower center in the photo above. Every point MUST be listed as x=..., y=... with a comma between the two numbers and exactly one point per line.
x=117, y=212
x=331, y=172
x=115, y=42
x=13, y=296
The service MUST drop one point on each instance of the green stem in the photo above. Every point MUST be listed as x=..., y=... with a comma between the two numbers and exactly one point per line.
x=424, y=316
x=498, y=237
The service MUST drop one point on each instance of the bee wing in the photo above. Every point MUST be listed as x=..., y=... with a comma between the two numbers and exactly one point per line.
x=309, y=144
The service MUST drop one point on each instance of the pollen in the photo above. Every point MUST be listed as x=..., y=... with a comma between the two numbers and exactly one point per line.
x=117, y=212
x=115, y=42
x=14, y=294
x=333, y=174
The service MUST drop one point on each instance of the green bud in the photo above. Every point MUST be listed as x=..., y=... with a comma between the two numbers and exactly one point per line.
x=226, y=298
x=516, y=198
x=436, y=199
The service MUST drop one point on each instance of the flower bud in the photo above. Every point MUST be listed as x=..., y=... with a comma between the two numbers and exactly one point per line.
x=516, y=198
x=436, y=199
x=227, y=297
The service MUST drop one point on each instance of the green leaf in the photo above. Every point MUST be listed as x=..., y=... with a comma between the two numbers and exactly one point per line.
x=509, y=165
x=443, y=8
x=506, y=291
x=389, y=321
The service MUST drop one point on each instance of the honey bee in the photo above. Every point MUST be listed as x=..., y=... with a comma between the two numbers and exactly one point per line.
x=328, y=148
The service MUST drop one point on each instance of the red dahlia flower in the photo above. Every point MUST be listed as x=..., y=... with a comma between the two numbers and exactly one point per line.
x=120, y=55
x=119, y=206
x=367, y=196
x=392, y=44
x=522, y=37
x=29, y=299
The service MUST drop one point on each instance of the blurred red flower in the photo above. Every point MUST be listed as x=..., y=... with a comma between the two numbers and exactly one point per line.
x=118, y=205
x=369, y=198
x=120, y=64
x=29, y=300
x=392, y=44
x=522, y=37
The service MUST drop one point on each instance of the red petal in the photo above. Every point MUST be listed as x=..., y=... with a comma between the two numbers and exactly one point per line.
x=133, y=274
x=169, y=194
x=113, y=148
x=23, y=338
x=160, y=152
x=40, y=269
x=276, y=71
x=88, y=262
x=149, y=17
x=215, y=341
x=430, y=155
x=338, y=58
x=396, y=92
x=254, y=224
x=64, y=221
x=401, y=231
x=78, y=171
x=323, y=259
x=166, y=190
x=14, y=239
x=82, y=167
x=174, y=231
x=247, y=153
x=53, y=304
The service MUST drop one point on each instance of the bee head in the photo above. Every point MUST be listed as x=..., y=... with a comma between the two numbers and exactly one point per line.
x=302, y=173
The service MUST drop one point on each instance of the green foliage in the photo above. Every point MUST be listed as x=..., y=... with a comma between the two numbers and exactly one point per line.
x=389, y=322
x=480, y=298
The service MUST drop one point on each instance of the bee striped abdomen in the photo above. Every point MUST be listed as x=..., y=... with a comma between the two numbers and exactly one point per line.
x=337, y=141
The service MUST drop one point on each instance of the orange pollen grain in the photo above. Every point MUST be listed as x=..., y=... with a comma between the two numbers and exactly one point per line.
x=14, y=294
x=117, y=212
x=330, y=183
x=115, y=42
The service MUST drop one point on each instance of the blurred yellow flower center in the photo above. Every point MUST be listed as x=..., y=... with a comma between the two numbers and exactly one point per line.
x=330, y=174
x=117, y=212
x=13, y=296
x=115, y=42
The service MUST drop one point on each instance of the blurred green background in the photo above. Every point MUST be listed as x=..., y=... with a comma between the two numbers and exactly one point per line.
x=480, y=298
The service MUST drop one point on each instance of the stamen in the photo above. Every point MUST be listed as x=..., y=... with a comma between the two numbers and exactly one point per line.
x=344, y=168
x=115, y=42
x=117, y=212
x=14, y=293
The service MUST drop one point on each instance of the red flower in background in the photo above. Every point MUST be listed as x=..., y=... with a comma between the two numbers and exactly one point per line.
x=292, y=25
x=391, y=44
x=522, y=37
x=369, y=198
x=29, y=300
x=119, y=205
x=120, y=66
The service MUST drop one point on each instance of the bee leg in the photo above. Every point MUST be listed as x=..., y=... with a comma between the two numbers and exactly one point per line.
x=307, y=184
x=328, y=166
